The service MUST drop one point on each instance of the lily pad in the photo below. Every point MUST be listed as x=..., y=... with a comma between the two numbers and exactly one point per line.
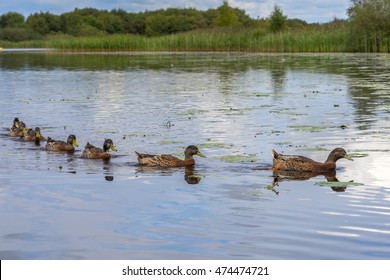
x=107, y=131
x=308, y=128
x=338, y=184
x=192, y=112
x=262, y=95
x=212, y=144
x=168, y=142
x=142, y=134
x=357, y=155
x=316, y=149
x=239, y=158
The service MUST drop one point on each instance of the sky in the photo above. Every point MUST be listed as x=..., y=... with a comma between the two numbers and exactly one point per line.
x=308, y=10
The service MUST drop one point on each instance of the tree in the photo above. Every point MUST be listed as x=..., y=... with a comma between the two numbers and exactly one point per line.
x=370, y=24
x=226, y=16
x=44, y=23
x=12, y=20
x=71, y=23
x=278, y=20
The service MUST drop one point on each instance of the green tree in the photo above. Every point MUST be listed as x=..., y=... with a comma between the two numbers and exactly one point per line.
x=112, y=23
x=12, y=20
x=278, y=20
x=370, y=24
x=226, y=15
x=44, y=23
x=71, y=23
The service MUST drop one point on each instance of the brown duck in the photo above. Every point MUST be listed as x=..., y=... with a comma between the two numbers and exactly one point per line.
x=58, y=145
x=18, y=129
x=301, y=163
x=34, y=135
x=169, y=160
x=92, y=152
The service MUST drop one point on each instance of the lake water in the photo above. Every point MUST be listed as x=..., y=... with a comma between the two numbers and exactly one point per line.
x=236, y=107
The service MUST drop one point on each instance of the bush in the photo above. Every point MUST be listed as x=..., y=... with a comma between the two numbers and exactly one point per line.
x=18, y=34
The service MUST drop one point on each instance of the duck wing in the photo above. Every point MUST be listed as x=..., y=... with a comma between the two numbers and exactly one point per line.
x=158, y=160
x=293, y=162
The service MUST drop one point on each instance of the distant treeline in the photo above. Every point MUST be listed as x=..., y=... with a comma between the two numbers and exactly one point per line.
x=93, y=22
x=368, y=24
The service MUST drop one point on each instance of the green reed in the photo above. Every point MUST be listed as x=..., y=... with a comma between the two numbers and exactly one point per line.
x=226, y=39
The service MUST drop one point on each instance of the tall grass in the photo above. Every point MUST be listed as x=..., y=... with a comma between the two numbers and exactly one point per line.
x=227, y=39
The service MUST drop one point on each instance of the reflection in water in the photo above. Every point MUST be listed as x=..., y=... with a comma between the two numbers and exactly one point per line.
x=280, y=176
x=109, y=178
x=278, y=76
x=229, y=104
x=190, y=176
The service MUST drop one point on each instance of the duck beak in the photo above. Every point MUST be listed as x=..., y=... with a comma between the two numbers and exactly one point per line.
x=17, y=124
x=24, y=130
x=113, y=148
x=348, y=157
x=75, y=143
x=37, y=134
x=200, y=154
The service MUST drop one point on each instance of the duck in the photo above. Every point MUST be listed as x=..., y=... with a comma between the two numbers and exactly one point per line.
x=301, y=163
x=58, y=145
x=34, y=135
x=169, y=160
x=92, y=152
x=18, y=129
x=15, y=123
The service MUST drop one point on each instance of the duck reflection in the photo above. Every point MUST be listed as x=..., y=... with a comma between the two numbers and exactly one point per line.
x=190, y=175
x=107, y=171
x=281, y=175
x=109, y=178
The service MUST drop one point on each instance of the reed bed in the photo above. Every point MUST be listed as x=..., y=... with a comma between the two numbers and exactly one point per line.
x=249, y=40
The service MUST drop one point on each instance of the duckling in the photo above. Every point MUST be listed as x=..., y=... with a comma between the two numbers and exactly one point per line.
x=58, y=145
x=34, y=135
x=301, y=163
x=18, y=129
x=92, y=152
x=169, y=160
x=15, y=123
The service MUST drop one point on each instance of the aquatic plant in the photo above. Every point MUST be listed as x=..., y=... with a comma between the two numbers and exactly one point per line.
x=217, y=39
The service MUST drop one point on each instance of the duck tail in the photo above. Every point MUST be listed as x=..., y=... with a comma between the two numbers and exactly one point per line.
x=274, y=154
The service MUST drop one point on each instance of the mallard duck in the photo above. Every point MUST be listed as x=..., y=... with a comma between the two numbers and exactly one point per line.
x=90, y=151
x=34, y=135
x=18, y=129
x=15, y=124
x=58, y=145
x=169, y=160
x=301, y=163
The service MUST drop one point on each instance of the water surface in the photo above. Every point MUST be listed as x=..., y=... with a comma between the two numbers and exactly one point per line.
x=236, y=108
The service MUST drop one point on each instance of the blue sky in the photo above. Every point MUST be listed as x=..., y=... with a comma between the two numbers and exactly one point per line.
x=308, y=10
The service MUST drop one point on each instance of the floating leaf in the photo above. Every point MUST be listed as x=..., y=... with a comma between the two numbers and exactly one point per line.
x=308, y=128
x=168, y=142
x=142, y=134
x=193, y=112
x=316, y=149
x=357, y=155
x=239, y=158
x=212, y=144
x=107, y=131
x=262, y=95
x=338, y=184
